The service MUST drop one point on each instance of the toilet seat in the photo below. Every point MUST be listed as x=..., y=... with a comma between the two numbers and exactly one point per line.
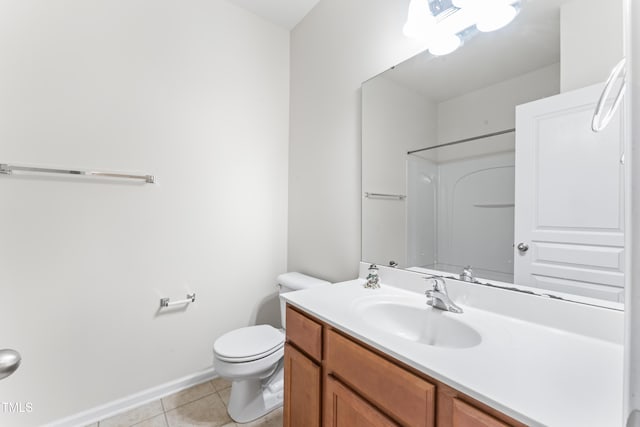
x=248, y=344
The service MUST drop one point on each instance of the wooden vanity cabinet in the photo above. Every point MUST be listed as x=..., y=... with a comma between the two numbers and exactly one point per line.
x=333, y=380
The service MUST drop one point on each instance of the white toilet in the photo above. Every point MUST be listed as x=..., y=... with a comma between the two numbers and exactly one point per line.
x=252, y=358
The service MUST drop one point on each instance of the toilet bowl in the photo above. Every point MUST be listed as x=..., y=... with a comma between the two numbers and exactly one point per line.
x=252, y=358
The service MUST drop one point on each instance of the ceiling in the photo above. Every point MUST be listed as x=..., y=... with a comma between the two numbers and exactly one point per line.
x=284, y=13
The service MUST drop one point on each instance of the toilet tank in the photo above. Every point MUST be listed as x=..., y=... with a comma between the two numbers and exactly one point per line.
x=294, y=281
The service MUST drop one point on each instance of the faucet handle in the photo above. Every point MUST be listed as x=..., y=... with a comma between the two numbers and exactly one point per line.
x=467, y=274
x=439, y=285
x=373, y=281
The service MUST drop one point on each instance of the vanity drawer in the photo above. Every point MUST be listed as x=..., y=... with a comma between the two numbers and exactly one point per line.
x=465, y=415
x=402, y=395
x=304, y=333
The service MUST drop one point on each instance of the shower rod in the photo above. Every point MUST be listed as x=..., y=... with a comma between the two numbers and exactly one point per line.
x=473, y=138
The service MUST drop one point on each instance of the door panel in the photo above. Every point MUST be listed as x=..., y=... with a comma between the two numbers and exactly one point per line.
x=569, y=197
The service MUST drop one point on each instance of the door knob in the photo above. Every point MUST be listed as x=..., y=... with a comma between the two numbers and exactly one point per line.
x=9, y=362
x=523, y=247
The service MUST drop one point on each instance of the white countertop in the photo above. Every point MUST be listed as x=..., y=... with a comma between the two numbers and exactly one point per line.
x=549, y=373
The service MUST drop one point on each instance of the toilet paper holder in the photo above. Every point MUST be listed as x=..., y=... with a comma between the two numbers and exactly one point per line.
x=166, y=302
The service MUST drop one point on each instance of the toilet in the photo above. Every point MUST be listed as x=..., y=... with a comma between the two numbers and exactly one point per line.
x=252, y=358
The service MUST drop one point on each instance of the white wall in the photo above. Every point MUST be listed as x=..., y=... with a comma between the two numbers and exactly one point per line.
x=591, y=41
x=334, y=49
x=194, y=92
x=492, y=109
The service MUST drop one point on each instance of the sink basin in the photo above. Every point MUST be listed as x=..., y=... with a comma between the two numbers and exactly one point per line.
x=414, y=322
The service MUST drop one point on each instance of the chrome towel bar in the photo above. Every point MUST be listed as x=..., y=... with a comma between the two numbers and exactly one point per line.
x=384, y=196
x=7, y=169
x=166, y=302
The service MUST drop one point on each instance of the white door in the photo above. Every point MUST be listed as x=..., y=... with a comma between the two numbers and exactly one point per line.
x=569, y=204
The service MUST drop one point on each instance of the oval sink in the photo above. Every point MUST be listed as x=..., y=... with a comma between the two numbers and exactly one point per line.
x=425, y=325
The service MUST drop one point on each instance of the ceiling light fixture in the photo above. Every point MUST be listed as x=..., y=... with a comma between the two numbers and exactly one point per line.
x=444, y=44
x=442, y=32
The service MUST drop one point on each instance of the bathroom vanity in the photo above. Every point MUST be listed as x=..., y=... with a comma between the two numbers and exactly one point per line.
x=382, y=357
x=363, y=386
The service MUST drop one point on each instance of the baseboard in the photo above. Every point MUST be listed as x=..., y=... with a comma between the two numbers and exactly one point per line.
x=121, y=405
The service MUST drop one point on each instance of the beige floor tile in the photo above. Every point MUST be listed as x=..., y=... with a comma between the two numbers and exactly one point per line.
x=220, y=383
x=134, y=416
x=233, y=425
x=188, y=395
x=225, y=395
x=272, y=419
x=158, y=421
x=208, y=411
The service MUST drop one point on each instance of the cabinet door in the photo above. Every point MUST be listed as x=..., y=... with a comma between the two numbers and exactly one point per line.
x=302, y=392
x=569, y=197
x=465, y=415
x=344, y=408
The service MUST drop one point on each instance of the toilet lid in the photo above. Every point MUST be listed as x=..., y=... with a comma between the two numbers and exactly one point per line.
x=249, y=343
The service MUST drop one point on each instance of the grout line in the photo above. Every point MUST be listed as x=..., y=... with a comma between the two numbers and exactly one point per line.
x=151, y=417
x=164, y=413
x=194, y=400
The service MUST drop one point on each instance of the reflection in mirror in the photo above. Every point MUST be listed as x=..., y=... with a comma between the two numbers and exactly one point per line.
x=460, y=206
x=470, y=156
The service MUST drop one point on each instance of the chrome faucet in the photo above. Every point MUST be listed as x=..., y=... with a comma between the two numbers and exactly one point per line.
x=467, y=275
x=438, y=296
x=373, y=281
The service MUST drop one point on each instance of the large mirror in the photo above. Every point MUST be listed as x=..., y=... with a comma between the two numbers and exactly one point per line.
x=485, y=158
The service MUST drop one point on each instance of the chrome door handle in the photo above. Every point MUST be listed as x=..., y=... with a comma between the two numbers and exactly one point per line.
x=9, y=362
x=598, y=123
x=523, y=247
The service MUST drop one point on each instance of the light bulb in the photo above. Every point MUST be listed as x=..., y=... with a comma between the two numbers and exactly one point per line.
x=420, y=21
x=444, y=44
x=495, y=18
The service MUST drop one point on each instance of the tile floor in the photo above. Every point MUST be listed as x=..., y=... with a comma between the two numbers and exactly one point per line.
x=203, y=405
